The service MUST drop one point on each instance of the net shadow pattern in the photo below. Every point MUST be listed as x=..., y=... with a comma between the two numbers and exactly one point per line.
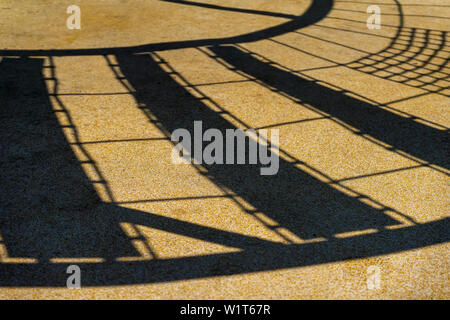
x=416, y=57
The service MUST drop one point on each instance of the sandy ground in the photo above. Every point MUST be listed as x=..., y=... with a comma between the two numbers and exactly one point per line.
x=87, y=176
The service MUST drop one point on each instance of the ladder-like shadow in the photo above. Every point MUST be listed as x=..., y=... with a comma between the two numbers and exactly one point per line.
x=296, y=200
x=50, y=209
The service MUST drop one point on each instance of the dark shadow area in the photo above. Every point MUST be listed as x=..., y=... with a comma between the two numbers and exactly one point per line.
x=49, y=206
x=405, y=134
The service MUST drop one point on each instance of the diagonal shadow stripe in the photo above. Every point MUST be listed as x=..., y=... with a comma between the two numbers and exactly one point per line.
x=412, y=137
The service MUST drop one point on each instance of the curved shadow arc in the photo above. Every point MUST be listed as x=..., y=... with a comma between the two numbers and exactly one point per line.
x=274, y=257
x=318, y=10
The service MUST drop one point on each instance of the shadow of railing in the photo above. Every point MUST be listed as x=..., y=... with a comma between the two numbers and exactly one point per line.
x=51, y=211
